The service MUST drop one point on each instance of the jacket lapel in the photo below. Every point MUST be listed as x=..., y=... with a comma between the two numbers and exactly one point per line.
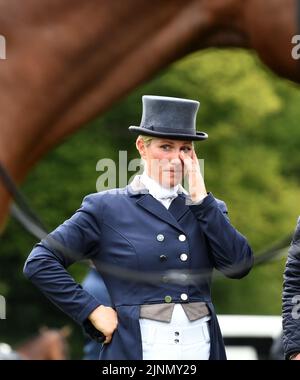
x=171, y=216
x=178, y=207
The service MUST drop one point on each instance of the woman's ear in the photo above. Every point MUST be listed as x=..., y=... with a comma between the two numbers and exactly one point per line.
x=141, y=147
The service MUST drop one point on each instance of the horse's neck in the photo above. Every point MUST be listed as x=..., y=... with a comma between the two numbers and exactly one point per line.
x=82, y=57
x=35, y=349
x=69, y=61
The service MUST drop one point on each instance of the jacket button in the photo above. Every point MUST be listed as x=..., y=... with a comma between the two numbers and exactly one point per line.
x=182, y=237
x=160, y=237
x=168, y=299
x=162, y=257
x=183, y=257
x=184, y=297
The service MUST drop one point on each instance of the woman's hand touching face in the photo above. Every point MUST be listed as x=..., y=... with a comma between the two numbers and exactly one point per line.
x=191, y=168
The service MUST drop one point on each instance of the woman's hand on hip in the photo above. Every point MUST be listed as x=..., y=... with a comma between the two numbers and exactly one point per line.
x=105, y=320
x=295, y=357
x=191, y=166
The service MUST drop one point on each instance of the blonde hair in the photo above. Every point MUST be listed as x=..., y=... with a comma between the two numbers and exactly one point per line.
x=147, y=139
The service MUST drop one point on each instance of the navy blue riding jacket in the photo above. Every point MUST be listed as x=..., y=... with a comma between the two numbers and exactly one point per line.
x=132, y=230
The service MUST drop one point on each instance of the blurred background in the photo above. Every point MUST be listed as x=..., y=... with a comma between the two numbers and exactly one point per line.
x=251, y=162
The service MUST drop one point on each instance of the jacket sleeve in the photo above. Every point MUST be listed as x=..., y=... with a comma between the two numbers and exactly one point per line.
x=291, y=298
x=76, y=239
x=230, y=250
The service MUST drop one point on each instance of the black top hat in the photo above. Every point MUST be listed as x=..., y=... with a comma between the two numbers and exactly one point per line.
x=174, y=118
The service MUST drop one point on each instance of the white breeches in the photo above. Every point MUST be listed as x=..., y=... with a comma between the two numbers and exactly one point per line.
x=180, y=339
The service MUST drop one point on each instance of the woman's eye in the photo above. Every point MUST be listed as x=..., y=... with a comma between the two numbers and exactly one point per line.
x=186, y=149
x=168, y=147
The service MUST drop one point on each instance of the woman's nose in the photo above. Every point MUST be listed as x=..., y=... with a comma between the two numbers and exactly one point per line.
x=176, y=154
x=175, y=161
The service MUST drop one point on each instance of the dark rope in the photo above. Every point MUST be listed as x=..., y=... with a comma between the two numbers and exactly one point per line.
x=32, y=224
x=18, y=196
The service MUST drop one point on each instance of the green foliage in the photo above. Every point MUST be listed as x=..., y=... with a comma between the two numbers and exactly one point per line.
x=251, y=162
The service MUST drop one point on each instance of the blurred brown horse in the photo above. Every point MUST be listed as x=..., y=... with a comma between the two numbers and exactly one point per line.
x=69, y=61
x=50, y=344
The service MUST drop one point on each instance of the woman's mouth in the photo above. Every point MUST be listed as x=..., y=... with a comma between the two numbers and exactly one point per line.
x=173, y=170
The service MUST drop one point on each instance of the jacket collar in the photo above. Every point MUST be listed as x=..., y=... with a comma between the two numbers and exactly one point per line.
x=176, y=211
x=137, y=187
x=157, y=190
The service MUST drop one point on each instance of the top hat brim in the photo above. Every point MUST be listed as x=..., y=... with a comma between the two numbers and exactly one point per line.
x=176, y=136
